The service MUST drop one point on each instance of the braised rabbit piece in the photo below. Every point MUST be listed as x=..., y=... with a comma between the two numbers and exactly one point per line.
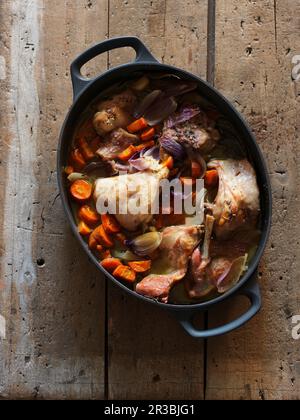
x=142, y=151
x=175, y=251
x=237, y=203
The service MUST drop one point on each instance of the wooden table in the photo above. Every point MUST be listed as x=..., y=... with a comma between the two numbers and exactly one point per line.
x=70, y=334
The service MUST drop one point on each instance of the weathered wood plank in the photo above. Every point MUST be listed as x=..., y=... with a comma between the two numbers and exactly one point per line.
x=150, y=356
x=51, y=295
x=255, y=43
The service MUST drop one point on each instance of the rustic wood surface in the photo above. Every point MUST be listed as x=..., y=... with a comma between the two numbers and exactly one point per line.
x=64, y=332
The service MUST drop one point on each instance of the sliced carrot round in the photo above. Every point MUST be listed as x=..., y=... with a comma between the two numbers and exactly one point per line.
x=81, y=190
x=140, y=266
x=88, y=215
x=148, y=134
x=137, y=125
x=110, y=224
x=110, y=264
x=83, y=229
x=77, y=159
x=125, y=273
x=102, y=237
x=92, y=241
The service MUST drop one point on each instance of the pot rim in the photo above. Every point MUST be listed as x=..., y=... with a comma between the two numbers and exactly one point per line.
x=148, y=66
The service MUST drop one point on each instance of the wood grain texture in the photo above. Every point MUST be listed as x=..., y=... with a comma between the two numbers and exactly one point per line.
x=255, y=43
x=51, y=295
x=150, y=356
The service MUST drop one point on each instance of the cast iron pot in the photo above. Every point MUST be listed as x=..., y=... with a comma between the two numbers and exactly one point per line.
x=86, y=90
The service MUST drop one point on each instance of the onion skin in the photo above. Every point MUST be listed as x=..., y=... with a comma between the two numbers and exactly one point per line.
x=161, y=109
x=185, y=114
x=146, y=244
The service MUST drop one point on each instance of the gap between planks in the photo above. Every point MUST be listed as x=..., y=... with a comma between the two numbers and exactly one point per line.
x=210, y=76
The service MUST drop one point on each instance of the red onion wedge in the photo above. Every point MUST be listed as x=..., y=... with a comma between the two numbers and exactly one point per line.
x=146, y=103
x=172, y=86
x=139, y=163
x=153, y=152
x=173, y=148
x=232, y=277
x=185, y=114
x=146, y=244
x=161, y=109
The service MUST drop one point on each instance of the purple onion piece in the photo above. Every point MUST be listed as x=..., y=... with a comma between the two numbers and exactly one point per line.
x=175, y=87
x=185, y=114
x=173, y=148
x=146, y=103
x=161, y=109
x=223, y=276
x=140, y=164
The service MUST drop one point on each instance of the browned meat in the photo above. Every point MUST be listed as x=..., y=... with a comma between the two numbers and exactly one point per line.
x=198, y=133
x=115, y=112
x=115, y=143
x=237, y=202
x=198, y=283
x=175, y=250
x=158, y=286
x=110, y=119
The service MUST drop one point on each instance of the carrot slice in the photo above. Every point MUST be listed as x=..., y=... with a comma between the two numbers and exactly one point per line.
x=77, y=159
x=88, y=215
x=211, y=178
x=83, y=229
x=102, y=237
x=137, y=125
x=85, y=149
x=127, y=153
x=81, y=190
x=110, y=264
x=143, y=146
x=100, y=248
x=140, y=266
x=122, y=272
x=69, y=170
x=169, y=163
x=148, y=134
x=188, y=181
x=92, y=241
x=196, y=169
x=105, y=254
x=110, y=224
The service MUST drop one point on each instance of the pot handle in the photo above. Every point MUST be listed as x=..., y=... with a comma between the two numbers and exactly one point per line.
x=251, y=291
x=80, y=82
